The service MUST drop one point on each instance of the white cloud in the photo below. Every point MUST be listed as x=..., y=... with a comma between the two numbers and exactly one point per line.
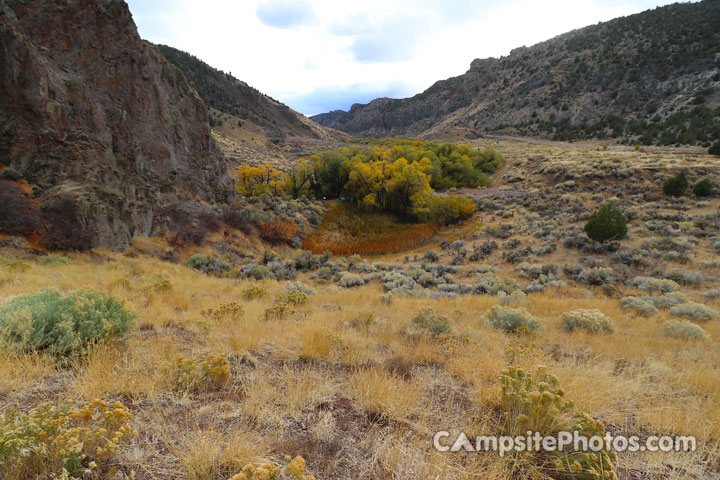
x=325, y=54
x=285, y=13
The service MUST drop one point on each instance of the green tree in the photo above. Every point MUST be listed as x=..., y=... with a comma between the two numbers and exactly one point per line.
x=715, y=149
x=676, y=186
x=607, y=223
x=704, y=188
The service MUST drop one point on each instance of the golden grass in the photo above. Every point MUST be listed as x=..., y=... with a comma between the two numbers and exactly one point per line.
x=137, y=370
x=288, y=368
x=383, y=393
x=207, y=454
x=20, y=371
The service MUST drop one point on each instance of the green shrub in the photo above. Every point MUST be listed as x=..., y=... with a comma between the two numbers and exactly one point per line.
x=591, y=321
x=303, y=287
x=676, y=186
x=208, y=264
x=597, y=276
x=429, y=322
x=511, y=320
x=607, y=223
x=685, y=330
x=53, y=259
x=665, y=301
x=63, y=325
x=639, y=305
x=650, y=284
x=350, y=280
x=515, y=298
x=703, y=188
x=715, y=149
x=231, y=311
x=695, y=311
x=277, y=311
x=258, y=272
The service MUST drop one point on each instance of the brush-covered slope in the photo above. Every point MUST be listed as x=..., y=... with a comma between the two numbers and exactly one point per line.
x=652, y=76
x=110, y=136
x=227, y=94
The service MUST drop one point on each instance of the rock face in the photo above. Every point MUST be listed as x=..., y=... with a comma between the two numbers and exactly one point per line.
x=99, y=122
x=643, y=67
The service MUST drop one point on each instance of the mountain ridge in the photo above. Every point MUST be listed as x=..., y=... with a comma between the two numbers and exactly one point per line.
x=229, y=95
x=566, y=87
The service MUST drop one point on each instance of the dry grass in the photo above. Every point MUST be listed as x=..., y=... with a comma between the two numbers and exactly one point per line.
x=20, y=371
x=362, y=399
x=384, y=394
x=284, y=370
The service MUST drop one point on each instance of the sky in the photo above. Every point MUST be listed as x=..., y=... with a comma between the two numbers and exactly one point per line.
x=321, y=55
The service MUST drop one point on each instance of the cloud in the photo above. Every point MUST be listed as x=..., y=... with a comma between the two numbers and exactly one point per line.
x=390, y=38
x=323, y=100
x=321, y=55
x=393, y=41
x=286, y=13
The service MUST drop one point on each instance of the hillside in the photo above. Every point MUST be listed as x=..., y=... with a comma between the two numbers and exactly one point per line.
x=651, y=78
x=101, y=139
x=230, y=96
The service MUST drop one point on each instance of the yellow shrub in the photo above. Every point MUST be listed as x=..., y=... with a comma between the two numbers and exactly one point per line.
x=208, y=373
x=232, y=311
x=253, y=292
x=53, y=442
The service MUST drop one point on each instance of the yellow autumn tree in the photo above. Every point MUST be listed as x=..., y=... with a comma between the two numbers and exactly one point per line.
x=299, y=181
x=442, y=210
x=258, y=180
x=389, y=185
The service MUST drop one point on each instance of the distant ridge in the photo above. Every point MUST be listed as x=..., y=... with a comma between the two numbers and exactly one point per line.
x=652, y=77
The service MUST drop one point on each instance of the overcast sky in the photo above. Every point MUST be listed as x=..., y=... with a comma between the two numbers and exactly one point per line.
x=322, y=55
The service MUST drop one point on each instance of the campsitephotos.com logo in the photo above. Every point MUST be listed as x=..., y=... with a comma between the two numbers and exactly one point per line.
x=564, y=441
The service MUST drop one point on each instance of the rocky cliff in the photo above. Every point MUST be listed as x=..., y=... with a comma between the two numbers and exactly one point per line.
x=652, y=77
x=111, y=137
